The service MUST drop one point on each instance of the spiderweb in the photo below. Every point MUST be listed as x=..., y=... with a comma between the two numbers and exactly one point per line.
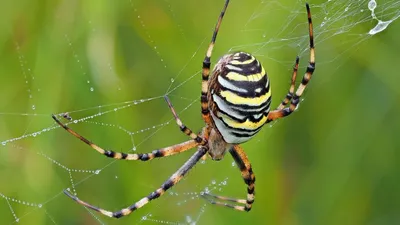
x=104, y=71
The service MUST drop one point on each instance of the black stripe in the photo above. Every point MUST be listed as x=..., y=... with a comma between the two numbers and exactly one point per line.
x=158, y=153
x=295, y=100
x=144, y=157
x=198, y=139
x=247, y=116
x=233, y=129
x=245, y=69
x=109, y=153
x=238, y=160
x=243, y=108
x=206, y=63
x=249, y=86
x=124, y=155
x=250, y=201
x=243, y=56
x=119, y=213
x=153, y=195
x=203, y=97
x=310, y=67
x=205, y=111
x=167, y=184
x=250, y=190
x=244, y=135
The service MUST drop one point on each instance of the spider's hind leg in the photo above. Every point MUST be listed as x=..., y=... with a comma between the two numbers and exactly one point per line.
x=249, y=178
x=174, y=179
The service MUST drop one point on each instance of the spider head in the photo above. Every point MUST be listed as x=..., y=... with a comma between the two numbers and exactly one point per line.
x=217, y=145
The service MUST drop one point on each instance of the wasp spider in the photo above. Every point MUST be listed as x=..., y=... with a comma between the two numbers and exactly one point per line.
x=235, y=104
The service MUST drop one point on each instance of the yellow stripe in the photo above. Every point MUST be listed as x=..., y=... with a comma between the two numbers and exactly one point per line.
x=245, y=125
x=236, y=99
x=237, y=62
x=239, y=77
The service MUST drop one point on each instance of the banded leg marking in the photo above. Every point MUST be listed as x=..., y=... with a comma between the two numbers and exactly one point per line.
x=174, y=179
x=279, y=113
x=182, y=126
x=171, y=150
x=289, y=95
x=249, y=178
x=206, y=69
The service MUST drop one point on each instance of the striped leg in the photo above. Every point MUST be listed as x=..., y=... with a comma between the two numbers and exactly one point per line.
x=172, y=150
x=205, y=112
x=249, y=178
x=279, y=113
x=175, y=178
x=289, y=95
x=182, y=126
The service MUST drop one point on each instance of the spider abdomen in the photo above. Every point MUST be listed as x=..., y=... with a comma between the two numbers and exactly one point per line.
x=239, y=97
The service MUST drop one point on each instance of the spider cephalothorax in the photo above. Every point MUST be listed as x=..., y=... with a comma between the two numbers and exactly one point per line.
x=235, y=104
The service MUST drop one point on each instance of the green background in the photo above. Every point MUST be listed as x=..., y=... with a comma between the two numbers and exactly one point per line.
x=334, y=161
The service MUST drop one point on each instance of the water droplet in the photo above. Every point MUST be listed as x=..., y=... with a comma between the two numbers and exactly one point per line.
x=213, y=182
x=372, y=5
x=91, y=89
x=33, y=107
x=40, y=205
x=3, y=143
x=97, y=171
x=379, y=27
x=172, y=80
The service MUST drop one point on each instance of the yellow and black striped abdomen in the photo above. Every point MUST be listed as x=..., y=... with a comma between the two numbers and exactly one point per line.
x=239, y=97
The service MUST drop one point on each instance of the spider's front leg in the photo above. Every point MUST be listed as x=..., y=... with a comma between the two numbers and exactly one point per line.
x=282, y=112
x=158, y=153
x=183, y=127
x=205, y=112
x=249, y=178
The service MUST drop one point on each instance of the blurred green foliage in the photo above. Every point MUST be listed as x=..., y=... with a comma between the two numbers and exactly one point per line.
x=334, y=161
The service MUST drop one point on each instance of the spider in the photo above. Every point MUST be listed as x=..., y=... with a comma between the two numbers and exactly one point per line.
x=235, y=104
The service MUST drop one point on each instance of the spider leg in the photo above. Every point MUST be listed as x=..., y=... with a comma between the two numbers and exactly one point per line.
x=289, y=95
x=162, y=152
x=174, y=179
x=205, y=112
x=249, y=178
x=282, y=112
x=184, y=128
